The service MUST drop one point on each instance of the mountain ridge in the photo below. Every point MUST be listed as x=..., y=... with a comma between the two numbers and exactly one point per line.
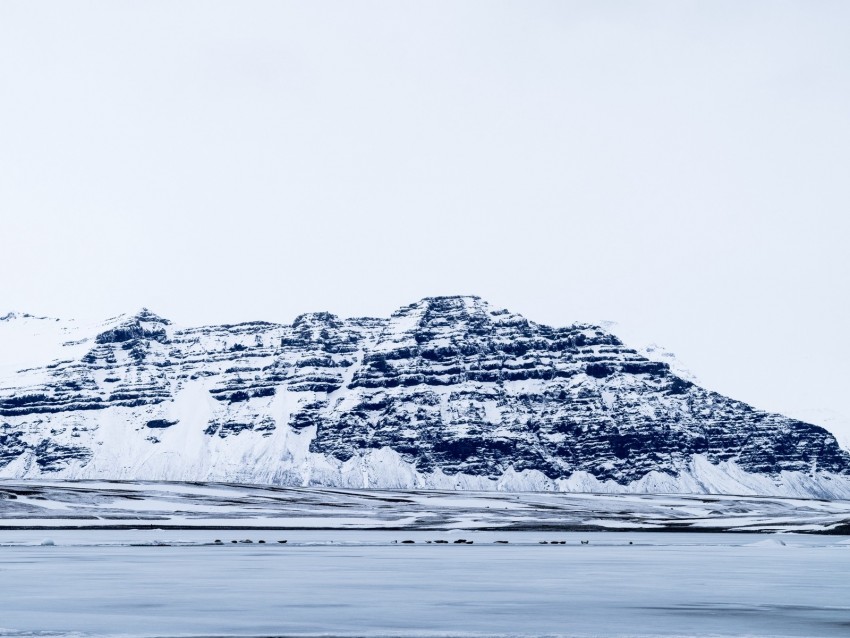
x=446, y=392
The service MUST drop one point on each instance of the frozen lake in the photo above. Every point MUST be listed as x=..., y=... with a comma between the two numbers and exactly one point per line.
x=360, y=583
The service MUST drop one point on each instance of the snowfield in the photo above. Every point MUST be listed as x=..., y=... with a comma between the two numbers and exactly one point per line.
x=103, y=504
x=157, y=583
x=121, y=559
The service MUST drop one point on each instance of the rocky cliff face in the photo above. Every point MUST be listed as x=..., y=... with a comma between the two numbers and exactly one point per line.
x=447, y=392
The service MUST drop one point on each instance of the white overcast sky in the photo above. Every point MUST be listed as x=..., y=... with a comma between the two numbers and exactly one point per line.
x=680, y=167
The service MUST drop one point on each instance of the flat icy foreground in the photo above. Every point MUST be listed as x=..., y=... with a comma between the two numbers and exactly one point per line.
x=359, y=583
x=93, y=559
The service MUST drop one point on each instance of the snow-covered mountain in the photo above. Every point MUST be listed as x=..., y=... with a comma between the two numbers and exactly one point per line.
x=445, y=393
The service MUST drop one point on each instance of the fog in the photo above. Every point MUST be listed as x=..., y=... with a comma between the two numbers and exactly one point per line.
x=678, y=167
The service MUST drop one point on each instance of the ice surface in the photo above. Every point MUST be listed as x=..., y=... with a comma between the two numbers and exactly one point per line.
x=157, y=569
x=360, y=583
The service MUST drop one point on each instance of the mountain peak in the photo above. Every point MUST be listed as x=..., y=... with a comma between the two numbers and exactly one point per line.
x=143, y=324
x=144, y=314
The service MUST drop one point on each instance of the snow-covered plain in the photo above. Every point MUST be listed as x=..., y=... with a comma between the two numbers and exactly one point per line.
x=95, y=559
x=101, y=504
x=359, y=583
